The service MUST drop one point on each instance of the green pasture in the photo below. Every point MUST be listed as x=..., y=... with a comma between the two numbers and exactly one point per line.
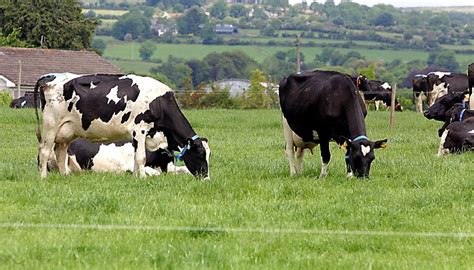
x=415, y=212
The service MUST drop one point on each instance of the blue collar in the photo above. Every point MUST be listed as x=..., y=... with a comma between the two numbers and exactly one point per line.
x=461, y=115
x=464, y=104
x=186, y=148
x=361, y=137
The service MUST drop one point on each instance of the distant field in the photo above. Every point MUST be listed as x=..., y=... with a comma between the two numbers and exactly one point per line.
x=134, y=66
x=415, y=212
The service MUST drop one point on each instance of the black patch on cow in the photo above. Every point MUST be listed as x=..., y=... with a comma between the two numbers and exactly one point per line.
x=143, y=132
x=134, y=134
x=94, y=103
x=146, y=116
x=134, y=144
x=125, y=117
x=159, y=158
x=69, y=107
x=84, y=151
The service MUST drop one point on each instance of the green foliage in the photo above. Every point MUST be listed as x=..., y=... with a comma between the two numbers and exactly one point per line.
x=368, y=72
x=12, y=39
x=256, y=96
x=219, y=10
x=48, y=23
x=444, y=59
x=238, y=11
x=133, y=23
x=99, y=45
x=175, y=70
x=189, y=23
x=384, y=19
x=147, y=49
x=5, y=97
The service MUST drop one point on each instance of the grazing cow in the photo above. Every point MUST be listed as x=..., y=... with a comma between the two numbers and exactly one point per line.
x=116, y=157
x=423, y=87
x=458, y=137
x=320, y=106
x=454, y=83
x=26, y=101
x=441, y=108
x=104, y=108
x=376, y=92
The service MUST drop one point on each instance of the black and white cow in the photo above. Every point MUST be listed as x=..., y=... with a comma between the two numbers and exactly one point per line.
x=449, y=83
x=376, y=92
x=423, y=87
x=458, y=137
x=320, y=106
x=116, y=157
x=104, y=108
x=442, y=108
x=26, y=101
x=470, y=78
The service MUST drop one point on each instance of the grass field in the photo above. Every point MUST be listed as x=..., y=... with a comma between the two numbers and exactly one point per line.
x=410, y=191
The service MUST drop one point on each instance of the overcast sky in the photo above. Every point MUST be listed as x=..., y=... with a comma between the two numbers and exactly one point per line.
x=408, y=3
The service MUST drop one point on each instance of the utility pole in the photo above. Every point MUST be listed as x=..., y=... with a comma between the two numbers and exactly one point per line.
x=18, y=86
x=298, y=60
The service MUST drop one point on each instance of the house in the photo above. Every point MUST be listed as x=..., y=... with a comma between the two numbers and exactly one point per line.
x=235, y=87
x=30, y=64
x=226, y=29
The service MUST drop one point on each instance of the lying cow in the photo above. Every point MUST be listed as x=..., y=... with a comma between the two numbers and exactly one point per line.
x=458, y=137
x=377, y=92
x=26, y=101
x=104, y=108
x=116, y=157
x=440, y=110
x=320, y=106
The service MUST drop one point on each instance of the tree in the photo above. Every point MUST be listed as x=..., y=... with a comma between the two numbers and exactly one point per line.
x=12, y=40
x=132, y=22
x=256, y=96
x=48, y=23
x=175, y=70
x=146, y=50
x=99, y=45
x=238, y=11
x=446, y=59
x=190, y=22
x=384, y=19
x=219, y=10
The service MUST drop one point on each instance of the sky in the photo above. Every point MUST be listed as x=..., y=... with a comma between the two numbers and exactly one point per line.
x=406, y=3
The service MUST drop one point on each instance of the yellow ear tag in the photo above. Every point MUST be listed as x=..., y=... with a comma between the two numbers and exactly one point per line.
x=466, y=97
x=344, y=146
x=383, y=145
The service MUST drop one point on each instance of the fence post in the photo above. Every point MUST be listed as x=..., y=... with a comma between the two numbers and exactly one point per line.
x=392, y=105
x=18, y=87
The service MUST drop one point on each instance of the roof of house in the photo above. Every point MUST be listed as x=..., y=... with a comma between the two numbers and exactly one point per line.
x=37, y=62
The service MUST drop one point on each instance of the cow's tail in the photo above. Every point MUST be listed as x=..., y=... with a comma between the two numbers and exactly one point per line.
x=35, y=101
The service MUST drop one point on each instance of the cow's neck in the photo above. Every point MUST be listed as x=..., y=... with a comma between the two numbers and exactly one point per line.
x=355, y=120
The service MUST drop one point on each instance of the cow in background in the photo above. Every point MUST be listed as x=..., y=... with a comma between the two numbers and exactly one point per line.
x=26, y=101
x=104, y=108
x=457, y=138
x=376, y=92
x=320, y=106
x=470, y=76
x=442, y=109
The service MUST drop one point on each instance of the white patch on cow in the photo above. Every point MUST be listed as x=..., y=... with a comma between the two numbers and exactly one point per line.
x=471, y=132
x=364, y=149
x=93, y=85
x=156, y=142
x=315, y=135
x=438, y=91
x=172, y=169
x=113, y=95
x=149, y=171
x=386, y=86
x=23, y=103
x=324, y=170
x=208, y=155
x=441, y=150
x=112, y=158
x=440, y=74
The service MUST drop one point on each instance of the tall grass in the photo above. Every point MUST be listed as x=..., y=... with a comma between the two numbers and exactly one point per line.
x=410, y=191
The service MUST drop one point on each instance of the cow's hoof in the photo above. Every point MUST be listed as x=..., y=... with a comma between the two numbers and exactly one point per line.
x=350, y=175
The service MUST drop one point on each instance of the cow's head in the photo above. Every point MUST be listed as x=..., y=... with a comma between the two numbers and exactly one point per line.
x=360, y=154
x=196, y=156
x=441, y=106
x=362, y=83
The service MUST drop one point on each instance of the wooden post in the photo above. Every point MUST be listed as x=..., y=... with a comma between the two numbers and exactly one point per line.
x=392, y=105
x=18, y=85
x=298, y=60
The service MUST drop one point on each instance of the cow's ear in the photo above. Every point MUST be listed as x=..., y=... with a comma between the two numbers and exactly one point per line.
x=346, y=143
x=380, y=144
x=204, y=139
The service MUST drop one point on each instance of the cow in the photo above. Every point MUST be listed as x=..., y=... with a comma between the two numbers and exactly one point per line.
x=440, y=110
x=458, y=137
x=116, y=157
x=470, y=76
x=376, y=92
x=320, y=106
x=26, y=101
x=423, y=87
x=451, y=82
x=105, y=108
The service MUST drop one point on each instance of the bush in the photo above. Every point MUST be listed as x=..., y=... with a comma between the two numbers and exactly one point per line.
x=5, y=97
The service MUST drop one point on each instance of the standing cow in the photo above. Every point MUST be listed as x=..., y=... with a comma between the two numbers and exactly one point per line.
x=376, y=92
x=104, y=108
x=320, y=106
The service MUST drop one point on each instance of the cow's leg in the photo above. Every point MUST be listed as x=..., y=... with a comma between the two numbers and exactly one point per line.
x=45, y=149
x=299, y=160
x=419, y=103
x=73, y=164
x=61, y=157
x=348, y=165
x=471, y=102
x=441, y=150
x=140, y=155
x=377, y=105
x=325, y=156
x=289, y=148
